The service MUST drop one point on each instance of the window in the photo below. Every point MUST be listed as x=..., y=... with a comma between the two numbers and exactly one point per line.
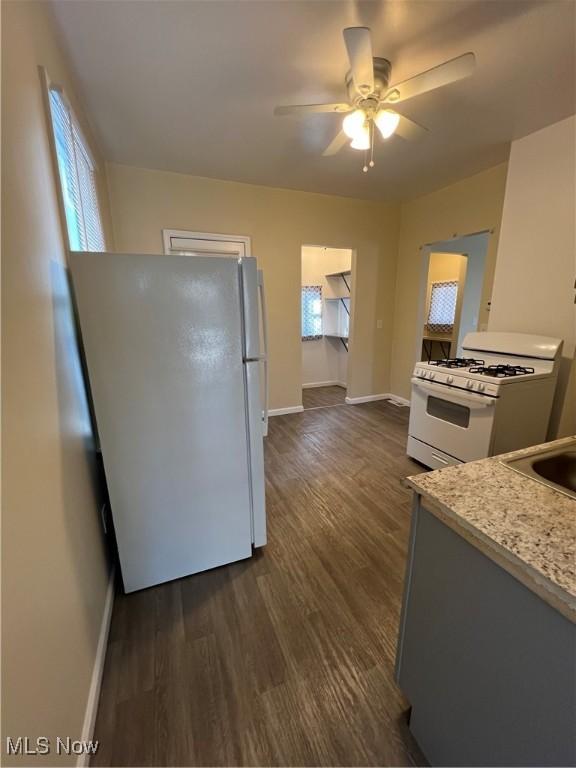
x=442, y=306
x=311, y=312
x=77, y=178
x=446, y=410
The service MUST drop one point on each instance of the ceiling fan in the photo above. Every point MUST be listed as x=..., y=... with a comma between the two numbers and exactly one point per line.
x=370, y=96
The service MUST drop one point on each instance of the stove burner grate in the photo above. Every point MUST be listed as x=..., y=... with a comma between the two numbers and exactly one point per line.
x=501, y=371
x=457, y=362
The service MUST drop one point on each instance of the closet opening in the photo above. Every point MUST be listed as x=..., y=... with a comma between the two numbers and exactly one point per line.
x=326, y=296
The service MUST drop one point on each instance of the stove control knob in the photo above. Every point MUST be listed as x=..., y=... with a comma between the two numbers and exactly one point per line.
x=480, y=386
x=432, y=374
x=449, y=379
x=469, y=384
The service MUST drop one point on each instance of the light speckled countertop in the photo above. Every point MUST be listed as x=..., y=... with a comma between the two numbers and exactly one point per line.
x=526, y=527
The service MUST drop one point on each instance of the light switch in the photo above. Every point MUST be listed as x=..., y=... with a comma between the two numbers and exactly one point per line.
x=379, y=324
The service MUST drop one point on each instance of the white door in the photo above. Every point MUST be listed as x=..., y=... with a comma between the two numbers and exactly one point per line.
x=164, y=349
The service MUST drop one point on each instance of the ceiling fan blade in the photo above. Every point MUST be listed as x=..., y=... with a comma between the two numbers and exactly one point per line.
x=359, y=47
x=408, y=129
x=304, y=109
x=336, y=144
x=443, y=74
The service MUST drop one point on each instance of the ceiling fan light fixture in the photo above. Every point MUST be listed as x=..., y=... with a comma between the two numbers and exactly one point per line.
x=387, y=121
x=353, y=124
x=362, y=139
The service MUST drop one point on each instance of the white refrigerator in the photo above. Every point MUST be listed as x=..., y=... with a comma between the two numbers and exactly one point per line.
x=176, y=361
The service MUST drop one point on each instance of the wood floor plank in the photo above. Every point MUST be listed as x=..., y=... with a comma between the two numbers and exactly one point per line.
x=263, y=655
x=173, y=736
x=290, y=732
x=213, y=729
x=285, y=658
x=136, y=668
x=196, y=596
x=320, y=397
x=133, y=740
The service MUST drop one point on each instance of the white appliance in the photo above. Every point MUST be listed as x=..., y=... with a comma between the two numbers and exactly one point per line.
x=496, y=398
x=174, y=355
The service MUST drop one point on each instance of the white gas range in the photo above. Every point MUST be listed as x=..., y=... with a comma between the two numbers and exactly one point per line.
x=494, y=399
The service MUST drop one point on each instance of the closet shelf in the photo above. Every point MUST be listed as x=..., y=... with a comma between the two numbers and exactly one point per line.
x=335, y=335
x=336, y=298
x=345, y=273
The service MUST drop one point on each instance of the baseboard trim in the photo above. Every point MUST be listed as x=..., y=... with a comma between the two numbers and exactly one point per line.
x=396, y=399
x=284, y=411
x=315, y=384
x=97, y=672
x=365, y=399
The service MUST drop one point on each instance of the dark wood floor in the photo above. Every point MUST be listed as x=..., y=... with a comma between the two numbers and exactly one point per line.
x=318, y=397
x=285, y=658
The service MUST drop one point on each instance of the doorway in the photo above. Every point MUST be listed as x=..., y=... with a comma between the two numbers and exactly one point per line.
x=326, y=290
x=454, y=295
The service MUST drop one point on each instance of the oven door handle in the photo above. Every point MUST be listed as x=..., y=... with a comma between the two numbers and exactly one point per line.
x=480, y=401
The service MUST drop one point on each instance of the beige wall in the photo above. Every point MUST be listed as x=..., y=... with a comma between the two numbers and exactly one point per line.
x=54, y=572
x=444, y=266
x=325, y=359
x=536, y=268
x=280, y=222
x=469, y=206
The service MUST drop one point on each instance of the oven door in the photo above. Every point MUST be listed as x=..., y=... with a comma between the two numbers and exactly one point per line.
x=456, y=422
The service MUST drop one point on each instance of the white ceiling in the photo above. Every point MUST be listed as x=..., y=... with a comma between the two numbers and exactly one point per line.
x=190, y=86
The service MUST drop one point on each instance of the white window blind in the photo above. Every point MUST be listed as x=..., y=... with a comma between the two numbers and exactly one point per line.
x=311, y=312
x=77, y=179
x=442, y=306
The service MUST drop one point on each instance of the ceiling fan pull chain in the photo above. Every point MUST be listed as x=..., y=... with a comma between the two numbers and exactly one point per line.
x=371, y=163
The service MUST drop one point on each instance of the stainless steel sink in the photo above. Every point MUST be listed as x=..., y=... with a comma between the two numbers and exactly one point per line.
x=554, y=467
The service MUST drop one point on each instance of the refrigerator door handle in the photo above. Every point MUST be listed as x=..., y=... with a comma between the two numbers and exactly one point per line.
x=264, y=357
x=256, y=452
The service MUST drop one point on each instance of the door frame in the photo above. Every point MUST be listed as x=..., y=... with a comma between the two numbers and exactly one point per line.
x=353, y=302
x=236, y=245
x=426, y=249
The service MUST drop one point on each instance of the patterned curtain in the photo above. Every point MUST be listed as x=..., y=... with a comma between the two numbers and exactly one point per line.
x=311, y=312
x=442, y=306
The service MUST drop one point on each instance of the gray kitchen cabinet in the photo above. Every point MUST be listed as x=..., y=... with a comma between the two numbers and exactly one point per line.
x=488, y=666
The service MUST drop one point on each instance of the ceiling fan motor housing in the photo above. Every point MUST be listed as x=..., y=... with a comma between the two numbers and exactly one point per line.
x=382, y=70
